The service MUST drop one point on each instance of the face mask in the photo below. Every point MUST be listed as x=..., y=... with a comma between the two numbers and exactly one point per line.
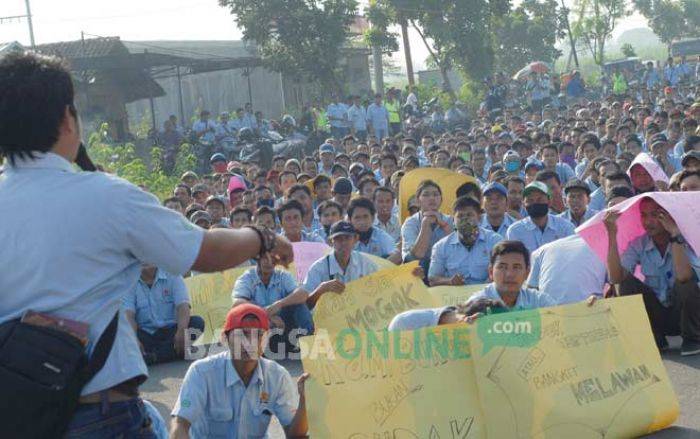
x=468, y=231
x=269, y=203
x=365, y=236
x=537, y=210
x=512, y=166
x=466, y=156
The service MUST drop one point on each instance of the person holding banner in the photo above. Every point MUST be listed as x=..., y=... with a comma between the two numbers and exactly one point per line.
x=234, y=394
x=671, y=269
x=462, y=257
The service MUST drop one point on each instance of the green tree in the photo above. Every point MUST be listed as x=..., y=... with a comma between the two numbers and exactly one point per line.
x=628, y=50
x=528, y=33
x=671, y=20
x=301, y=38
x=596, y=20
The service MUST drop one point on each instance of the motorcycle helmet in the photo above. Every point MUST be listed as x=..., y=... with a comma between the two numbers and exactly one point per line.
x=246, y=134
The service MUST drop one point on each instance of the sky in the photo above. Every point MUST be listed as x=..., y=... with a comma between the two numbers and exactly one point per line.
x=151, y=20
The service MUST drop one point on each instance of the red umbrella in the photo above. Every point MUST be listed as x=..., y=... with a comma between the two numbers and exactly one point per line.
x=536, y=67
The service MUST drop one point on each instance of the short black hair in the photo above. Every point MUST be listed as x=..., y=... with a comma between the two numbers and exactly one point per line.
x=35, y=92
x=506, y=247
x=689, y=142
x=173, y=200
x=361, y=203
x=327, y=204
x=365, y=181
x=687, y=173
x=187, y=188
x=466, y=201
x=543, y=176
x=618, y=175
x=264, y=210
x=290, y=205
x=383, y=189
x=241, y=209
x=298, y=187
x=321, y=178
x=423, y=185
x=514, y=179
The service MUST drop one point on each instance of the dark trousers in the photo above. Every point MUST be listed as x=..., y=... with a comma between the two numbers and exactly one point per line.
x=126, y=419
x=682, y=318
x=159, y=347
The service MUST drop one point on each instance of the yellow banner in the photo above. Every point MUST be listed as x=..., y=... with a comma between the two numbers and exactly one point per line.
x=446, y=295
x=572, y=372
x=370, y=302
x=412, y=384
x=448, y=181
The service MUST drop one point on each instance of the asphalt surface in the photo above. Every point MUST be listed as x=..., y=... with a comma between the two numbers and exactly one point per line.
x=164, y=384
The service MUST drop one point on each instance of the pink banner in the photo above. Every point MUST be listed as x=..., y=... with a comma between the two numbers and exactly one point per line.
x=650, y=165
x=684, y=208
x=305, y=254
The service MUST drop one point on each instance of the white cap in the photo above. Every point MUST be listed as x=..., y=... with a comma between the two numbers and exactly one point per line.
x=418, y=318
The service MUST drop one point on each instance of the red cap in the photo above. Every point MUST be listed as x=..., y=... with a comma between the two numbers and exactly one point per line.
x=235, y=316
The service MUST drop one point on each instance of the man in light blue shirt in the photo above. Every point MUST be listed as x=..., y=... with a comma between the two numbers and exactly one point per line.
x=80, y=264
x=550, y=158
x=357, y=116
x=333, y=271
x=577, y=195
x=291, y=216
x=337, y=113
x=462, y=257
x=275, y=291
x=158, y=308
x=671, y=271
x=508, y=268
x=378, y=118
x=204, y=128
x=496, y=206
x=372, y=240
x=235, y=393
x=540, y=227
x=248, y=119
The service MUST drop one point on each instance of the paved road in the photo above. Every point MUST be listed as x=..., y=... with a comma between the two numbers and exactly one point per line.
x=163, y=386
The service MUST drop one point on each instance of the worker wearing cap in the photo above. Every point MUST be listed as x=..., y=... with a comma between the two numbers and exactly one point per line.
x=511, y=163
x=218, y=163
x=343, y=265
x=540, y=227
x=234, y=394
x=496, y=206
x=201, y=218
x=462, y=257
x=577, y=195
x=200, y=193
x=691, y=161
x=327, y=154
x=189, y=178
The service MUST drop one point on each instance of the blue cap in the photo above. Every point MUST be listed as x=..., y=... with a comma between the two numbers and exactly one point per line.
x=218, y=157
x=326, y=147
x=534, y=162
x=418, y=318
x=341, y=228
x=495, y=186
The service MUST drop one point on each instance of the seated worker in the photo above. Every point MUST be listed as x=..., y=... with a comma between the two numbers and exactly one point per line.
x=329, y=213
x=291, y=216
x=423, y=318
x=670, y=267
x=508, y=270
x=496, y=206
x=577, y=195
x=235, y=393
x=265, y=216
x=541, y=226
x=333, y=271
x=373, y=240
x=158, y=308
x=276, y=291
x=462, y=257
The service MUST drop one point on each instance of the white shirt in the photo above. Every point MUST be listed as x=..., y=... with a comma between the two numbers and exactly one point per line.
x=567, y=270
x=72, y=246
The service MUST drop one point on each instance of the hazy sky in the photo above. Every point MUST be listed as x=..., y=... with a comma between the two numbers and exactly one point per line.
x=63, y=20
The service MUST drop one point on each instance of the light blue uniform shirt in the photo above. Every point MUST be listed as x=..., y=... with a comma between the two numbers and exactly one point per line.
x=503, y=228
x=410, y=231
x=597, y=199
x=215, y=401
x=451, y=257
x=327, y=268
x=526, y=231
x=527, y=298
x=307, y=236
x=202, y=126
x=379, y=244
x=581, y=167
x=588, y=214
x=84, y=236
x=392, y=228
x=358, y=118
x=155, y=307
x=250, y=287
x=378, y=116
x=339, y=111
x=657, y=268
x=564, y=172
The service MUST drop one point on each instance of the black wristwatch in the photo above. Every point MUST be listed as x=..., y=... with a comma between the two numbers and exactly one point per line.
x=267, y=238
x=678, y=239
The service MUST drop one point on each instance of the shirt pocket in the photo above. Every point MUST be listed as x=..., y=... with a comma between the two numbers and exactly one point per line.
x=653, y=278
x=258, y=421
x=479, y=269
x=219, y=421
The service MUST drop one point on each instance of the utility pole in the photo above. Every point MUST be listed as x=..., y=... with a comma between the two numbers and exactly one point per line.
x=28, y=16
x=565, y=12
x=407, y=51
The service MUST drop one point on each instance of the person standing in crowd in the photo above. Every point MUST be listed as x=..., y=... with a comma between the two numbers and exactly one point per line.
x=112, y=226
x=357, y=117
x=205, y=129
x=393, y=106
x=378, y=118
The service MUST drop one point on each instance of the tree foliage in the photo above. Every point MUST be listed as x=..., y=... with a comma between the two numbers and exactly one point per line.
x=528, y=33
x=628, y=50
x=671, y=20
x=595, y=22
x=301, y=38
x=381, y=17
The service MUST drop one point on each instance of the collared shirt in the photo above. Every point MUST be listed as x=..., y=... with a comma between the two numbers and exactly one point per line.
x=409, y=235
x=379, y=244
x=249, y=121
x=358, y=118
x=588, y=214
x=336, y=112
x=250, y=287
x=307, y=236
x=657, y=269
x=327, y=268
x=564, y=172
x=314, y=227
x=673, y=74
x=392, y=227
x=581, y=168
x=597, y=199
x=202, y=126
x=378, y=116
x=533, y=237
x=451, y=257
x=592, y=185
x=503, y=228
x=155, y=306
x=567, y=270
x=215, y=401
x=226, y=131
x=527, y=297
x=82, y=262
